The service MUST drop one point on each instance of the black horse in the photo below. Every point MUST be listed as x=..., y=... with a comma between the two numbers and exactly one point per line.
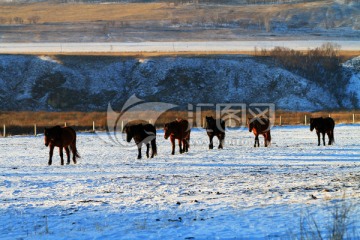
x=323, y=125
x=215, y=127
x=142, y=134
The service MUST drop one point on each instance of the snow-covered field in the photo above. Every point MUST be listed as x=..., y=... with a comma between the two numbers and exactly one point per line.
x=240, y=192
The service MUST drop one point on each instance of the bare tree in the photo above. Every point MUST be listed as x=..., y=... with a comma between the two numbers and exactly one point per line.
x=18, y=20
x=33, y=19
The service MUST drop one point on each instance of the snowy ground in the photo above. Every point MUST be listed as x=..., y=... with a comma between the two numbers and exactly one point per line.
x=239, y=192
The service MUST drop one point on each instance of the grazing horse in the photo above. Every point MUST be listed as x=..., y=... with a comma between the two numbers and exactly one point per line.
x=323, y=125
x=61, y=137
x=215, y=127
x=180, y=130
x=142, y=134
x=260, y=126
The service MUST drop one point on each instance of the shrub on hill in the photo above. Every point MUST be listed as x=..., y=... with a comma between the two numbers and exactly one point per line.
x=321, y=65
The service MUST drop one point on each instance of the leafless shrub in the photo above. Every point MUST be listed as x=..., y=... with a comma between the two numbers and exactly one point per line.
x=339, y=227
x=18, y=20
x=33, y=19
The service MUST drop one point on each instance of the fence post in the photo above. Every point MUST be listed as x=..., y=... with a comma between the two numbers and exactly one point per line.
x=305, y=120
x=353, y=117
x=35, y=130
x=280, y=121
x=4, y=133
x=65, y=124
x=93, y=126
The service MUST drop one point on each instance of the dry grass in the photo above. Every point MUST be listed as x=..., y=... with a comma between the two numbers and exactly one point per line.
x=151, y=21
x=57, y=13
x=23, y=122
x=81, y=12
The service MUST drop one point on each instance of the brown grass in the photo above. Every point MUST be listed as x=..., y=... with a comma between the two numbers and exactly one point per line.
x=23, y=122
x=83, y=12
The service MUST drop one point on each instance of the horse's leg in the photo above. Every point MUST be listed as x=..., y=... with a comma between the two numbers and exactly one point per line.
x=172, y=145
x=61, y=155
x=139, y=150
x=221, y=141
x=211, y=145
x=180, y=145
x=67, y=150
x=257, y=141
x=265, y=139
x=318, y=134
x=185, y=145
x=323, y=137
x=51, y=154
x=147, y=149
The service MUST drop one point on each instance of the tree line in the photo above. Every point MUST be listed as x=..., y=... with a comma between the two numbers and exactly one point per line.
x=20, y=20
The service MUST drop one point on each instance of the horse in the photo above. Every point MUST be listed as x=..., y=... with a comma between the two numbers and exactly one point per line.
x=323, y=125
x=142, y=133
x=61, y=137
x=215, y=127
x=180, y=130
x=260, y=126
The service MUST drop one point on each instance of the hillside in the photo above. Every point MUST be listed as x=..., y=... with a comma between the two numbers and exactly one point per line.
x=135, y=21
x=65, y=83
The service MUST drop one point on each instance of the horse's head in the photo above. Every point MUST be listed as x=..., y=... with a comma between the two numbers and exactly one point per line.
x=250, y=124
x=313, y=123
x=52, y=134
x=167, y=131
x=46, y=137
x=129, y=133
x=210, y=122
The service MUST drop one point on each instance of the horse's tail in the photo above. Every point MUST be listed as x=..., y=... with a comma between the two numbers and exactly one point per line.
x=74, y=149
x=269, y=137
x=153, y=146
x=188, y=139
x=332, y=138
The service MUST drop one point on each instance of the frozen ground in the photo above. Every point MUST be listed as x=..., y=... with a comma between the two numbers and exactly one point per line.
x=239, y=192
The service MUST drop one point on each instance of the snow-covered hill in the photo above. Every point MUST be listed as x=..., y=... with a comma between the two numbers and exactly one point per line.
x=86, y=83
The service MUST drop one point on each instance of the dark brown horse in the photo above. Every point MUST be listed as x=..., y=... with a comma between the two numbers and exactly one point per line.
x=323, y=125
x=61, y=137
x=215, y=127
x=180, y=130
x=260, y=126
x=142, y=134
